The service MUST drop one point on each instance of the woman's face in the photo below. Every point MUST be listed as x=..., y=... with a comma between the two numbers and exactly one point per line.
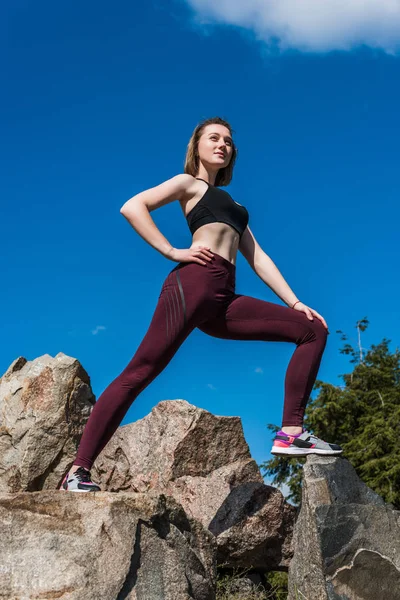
x=215, y=146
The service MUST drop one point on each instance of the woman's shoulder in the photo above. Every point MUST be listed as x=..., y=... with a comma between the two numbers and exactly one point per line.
x=185, y=178
x=187, y=183
x=178, y=186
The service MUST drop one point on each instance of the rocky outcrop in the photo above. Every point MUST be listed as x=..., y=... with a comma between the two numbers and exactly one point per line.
x=102, y=546
x=204, y=462
x=44, y=406
x=178, y=450
x=346, y=539
x=181, y=494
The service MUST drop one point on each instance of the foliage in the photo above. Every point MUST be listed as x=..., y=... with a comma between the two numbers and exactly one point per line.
x=228, y=586
x=363, y=416
x=278, y=580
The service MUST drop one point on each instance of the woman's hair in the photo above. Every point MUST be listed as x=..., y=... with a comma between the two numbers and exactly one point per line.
x=191, y=166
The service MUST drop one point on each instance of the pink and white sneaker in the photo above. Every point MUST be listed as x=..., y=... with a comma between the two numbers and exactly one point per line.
x=302, y=444
x=80, y=481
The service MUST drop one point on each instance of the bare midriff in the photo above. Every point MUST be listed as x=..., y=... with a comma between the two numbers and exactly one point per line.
x=221, y=238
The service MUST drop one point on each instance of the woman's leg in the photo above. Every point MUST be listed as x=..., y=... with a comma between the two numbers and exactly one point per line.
x=182, y=304
x=248, y=318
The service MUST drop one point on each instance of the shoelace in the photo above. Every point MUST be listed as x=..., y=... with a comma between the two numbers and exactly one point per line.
x=83, y=475
x=311, y=436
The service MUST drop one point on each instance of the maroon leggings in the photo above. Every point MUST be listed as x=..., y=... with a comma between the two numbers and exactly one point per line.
x=203, y=296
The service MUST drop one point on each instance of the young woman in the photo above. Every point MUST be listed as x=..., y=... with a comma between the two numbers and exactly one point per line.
x=200, y=292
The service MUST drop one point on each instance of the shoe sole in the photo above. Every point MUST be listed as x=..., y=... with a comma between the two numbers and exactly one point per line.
x=83, y=491
x=62, y=489
x=303, y=451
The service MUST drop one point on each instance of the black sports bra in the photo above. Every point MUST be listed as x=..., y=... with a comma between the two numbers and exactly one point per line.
x=217, y=206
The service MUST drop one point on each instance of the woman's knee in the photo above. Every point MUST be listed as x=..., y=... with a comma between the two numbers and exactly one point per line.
x=316, y=331
x=320, y=331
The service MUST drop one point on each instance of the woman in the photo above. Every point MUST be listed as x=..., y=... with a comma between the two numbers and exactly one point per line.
x=200, y=292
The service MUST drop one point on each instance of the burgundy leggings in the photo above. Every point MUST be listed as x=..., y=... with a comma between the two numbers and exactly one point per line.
x=203, y=296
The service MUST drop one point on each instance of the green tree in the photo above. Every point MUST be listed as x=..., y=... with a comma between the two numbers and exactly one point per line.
x=363, y=416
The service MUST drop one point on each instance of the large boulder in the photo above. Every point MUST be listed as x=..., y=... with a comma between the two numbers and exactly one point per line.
x=102, y=546
x=44, y=406
x=204, y=462
x=346, y=539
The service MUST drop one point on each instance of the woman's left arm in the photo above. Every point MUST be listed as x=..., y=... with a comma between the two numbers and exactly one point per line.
x=266, y=269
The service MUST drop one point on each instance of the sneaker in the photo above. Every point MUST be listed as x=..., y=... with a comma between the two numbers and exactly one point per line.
x=80, y=481
x=302, y=444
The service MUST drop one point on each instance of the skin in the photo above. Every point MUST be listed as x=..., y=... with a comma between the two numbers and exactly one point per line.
x=222, y=238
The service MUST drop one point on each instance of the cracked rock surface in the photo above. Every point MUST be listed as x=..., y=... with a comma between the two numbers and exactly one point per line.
x=102, y=546
x=204, y=462
x=346, y=539
x=44, y=406
x=181, y=452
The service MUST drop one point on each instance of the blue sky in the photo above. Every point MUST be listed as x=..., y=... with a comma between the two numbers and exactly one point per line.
x=98, y=104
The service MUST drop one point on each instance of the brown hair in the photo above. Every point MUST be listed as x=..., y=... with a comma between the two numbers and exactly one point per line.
x=191, y=166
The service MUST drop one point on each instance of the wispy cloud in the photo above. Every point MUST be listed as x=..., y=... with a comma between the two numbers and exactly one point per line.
x=258, y=370
x=97, y=329
x=310, y=25
x=211, y=386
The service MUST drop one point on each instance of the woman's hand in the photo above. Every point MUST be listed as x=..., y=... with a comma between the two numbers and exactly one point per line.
x=310, y=312
x=194, y=254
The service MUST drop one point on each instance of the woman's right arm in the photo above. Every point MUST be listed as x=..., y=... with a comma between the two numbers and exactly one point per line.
x=137, y=213
x=137, y=210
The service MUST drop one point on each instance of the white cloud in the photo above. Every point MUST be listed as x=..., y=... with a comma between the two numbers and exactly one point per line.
x=258, y=370
x=310, y=25
x=211, y=386
x=98, y=328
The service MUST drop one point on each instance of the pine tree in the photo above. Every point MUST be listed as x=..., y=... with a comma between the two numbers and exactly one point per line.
x=363, y=416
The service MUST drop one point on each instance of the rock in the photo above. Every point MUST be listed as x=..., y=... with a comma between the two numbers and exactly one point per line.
x=44, y=406
x=204, y=462
x=201, y=460
x=346, y=539
x=102, y=546
x=254, y=528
